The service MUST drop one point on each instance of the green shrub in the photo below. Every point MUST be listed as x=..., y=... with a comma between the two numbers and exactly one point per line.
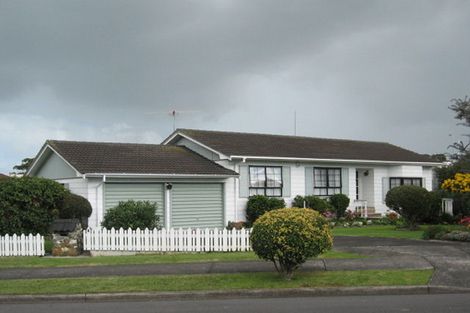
x=258, y=205
x=288, y=237
x=298, y=202
x=75, y=206
x=411, y=202
x=312, y=202
x=340, y=203
x=48, y=245
x=132, y=214
x=435, y=232
x=29, y=204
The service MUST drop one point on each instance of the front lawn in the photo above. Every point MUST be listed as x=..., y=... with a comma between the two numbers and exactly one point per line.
x=214, y=282
x=385, y=231
x=21, y=262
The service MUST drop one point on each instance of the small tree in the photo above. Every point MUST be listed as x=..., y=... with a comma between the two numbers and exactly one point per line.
x=29, y=204
x=340, y=202
x=75, y=206
x=259, y=204
x=288, y=237
x=411, y=202
x=132, y=214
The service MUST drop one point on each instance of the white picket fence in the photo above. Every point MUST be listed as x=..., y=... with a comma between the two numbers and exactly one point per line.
x=167, y=240
x=23, y=245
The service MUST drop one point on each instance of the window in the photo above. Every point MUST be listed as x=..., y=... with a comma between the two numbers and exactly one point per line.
x=266, y=180
x=326, y=181
x=400, y=181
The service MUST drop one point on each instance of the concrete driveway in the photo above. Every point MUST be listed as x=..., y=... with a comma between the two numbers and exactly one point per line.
x=451, y=260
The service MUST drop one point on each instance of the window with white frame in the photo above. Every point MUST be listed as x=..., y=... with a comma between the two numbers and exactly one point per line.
x=266, y=181
x=326, y=181
x=400, y=181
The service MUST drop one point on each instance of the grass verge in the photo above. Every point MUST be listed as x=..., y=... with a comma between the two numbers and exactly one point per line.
x=36, y=262
x=385, y=231
x=214, y=282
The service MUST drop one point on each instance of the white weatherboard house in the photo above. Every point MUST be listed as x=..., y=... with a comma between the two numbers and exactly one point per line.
x=203, y=178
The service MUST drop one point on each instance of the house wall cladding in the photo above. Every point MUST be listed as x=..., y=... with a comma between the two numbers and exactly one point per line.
x=197, y=205
x=116, y=192
x=302, y=174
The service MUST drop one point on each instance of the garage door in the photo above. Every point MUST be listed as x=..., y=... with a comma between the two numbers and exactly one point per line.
x=115, y=192
x=197, y=205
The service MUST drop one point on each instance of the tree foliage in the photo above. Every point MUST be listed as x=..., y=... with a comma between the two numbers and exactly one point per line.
x=24, y=166
x=29, y=204
x=288, y=237
x=75, y=206
x=411, y=202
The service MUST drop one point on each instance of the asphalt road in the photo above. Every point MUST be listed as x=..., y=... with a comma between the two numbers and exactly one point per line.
x=454, y=303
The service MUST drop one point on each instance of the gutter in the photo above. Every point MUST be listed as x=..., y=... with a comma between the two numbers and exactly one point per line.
x=138, y=175
x=246, y=157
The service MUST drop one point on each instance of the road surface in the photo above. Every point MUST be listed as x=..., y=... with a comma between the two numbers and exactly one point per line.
x=454, y=303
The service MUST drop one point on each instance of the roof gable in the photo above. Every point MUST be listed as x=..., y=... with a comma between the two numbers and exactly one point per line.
x=280, y=146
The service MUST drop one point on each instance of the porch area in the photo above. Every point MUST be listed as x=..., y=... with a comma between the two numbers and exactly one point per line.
x=364, y=200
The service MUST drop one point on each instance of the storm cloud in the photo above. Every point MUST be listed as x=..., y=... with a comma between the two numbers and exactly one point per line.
x=112, y=70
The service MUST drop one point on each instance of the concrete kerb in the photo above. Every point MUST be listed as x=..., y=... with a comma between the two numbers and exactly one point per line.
x=255, y=293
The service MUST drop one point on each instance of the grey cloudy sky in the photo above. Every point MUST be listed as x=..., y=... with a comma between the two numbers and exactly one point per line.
x=111, y=70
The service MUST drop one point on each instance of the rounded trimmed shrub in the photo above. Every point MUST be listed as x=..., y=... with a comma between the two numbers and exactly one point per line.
x=259, y=204
x=132, y=214
x=288, y=237
x=340, y=203
x=29, y=204
x=411, y=202
x=75, y=206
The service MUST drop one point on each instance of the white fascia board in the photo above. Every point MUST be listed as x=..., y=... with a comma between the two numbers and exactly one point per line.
x=221, y=155
x=41, y=153
x=247, y=157
x=137, y=175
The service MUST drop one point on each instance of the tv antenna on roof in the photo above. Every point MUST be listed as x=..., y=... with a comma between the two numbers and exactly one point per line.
x=173, y=114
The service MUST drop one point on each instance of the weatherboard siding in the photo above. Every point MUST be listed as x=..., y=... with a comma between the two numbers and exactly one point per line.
x=55, y=168
x=198, y=149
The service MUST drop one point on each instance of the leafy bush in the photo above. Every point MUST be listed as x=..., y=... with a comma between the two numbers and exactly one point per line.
x=75, y=206
x=288, y=237
x=29, y=204
x=132, y=214
x=48, y=246
x=258, y=205
x=340, y=203
x=411, y=202
x=435, y=232
x=312, y=202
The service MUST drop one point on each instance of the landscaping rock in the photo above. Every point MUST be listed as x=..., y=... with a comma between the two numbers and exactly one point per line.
x=70, y=245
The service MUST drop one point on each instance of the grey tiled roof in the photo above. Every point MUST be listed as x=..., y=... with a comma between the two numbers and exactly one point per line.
x=262, y=145
x=105, y=157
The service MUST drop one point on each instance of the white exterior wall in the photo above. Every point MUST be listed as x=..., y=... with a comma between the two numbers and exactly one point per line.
x=236, y=206
x=77, y=185
x=379, y=173
x=95, y=196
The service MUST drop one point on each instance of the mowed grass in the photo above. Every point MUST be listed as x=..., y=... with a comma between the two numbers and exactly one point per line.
x=385, y=231
x=214, y=282
x=36, y=262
